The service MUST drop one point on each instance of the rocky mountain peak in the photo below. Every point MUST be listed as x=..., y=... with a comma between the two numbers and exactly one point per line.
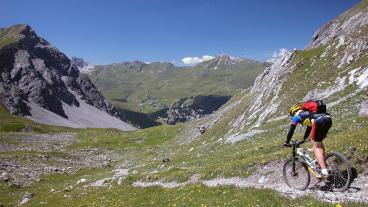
x=38, y=78
x=79, y=62
x=227, y=59
x=352, y=21
x=82, y=65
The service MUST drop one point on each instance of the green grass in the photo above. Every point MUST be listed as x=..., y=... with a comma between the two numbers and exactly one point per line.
x=193, y=195
x=118, y=82
x=10, y=35
x=145, y=149
x=116, y=139
x=142, y=151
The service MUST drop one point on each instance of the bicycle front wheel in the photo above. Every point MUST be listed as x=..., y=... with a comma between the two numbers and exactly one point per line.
x=296, y=174
x=340, y=171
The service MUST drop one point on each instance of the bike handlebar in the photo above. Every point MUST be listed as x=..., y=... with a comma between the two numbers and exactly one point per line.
x=296, y=143
x=299, y=142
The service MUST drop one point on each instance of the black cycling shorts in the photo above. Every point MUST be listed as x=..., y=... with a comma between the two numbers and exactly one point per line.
x=320, y=128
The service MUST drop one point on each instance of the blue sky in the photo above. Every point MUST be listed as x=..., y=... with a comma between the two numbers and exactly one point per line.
x=168, y=30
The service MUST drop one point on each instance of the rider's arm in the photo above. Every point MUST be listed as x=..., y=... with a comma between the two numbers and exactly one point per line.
x=307, y=132
x=291, y=132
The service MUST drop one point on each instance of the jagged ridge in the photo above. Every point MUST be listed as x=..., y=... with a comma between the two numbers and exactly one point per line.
x=33, y=71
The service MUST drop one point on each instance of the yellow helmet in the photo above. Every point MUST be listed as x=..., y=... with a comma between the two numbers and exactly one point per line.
x=295, y=108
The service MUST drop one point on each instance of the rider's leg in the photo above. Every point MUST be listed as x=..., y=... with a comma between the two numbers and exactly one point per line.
x=319, y=151
x=319, y=131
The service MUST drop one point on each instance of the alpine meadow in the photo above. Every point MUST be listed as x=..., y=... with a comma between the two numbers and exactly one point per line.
x=205, y=132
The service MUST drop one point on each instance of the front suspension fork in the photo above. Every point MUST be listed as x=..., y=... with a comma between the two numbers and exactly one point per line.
x=294, y=161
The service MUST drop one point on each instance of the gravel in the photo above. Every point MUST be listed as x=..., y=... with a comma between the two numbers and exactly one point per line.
x=270, y=176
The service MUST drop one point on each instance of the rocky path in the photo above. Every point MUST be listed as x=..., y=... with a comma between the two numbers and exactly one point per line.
x=270, y=176
x=26, y=157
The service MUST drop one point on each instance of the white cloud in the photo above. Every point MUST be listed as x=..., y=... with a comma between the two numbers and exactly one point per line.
x=196, y=60
x=278, y=54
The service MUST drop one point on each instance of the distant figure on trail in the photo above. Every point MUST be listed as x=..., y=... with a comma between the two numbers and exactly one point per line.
x=202, y=129
x=313, y=114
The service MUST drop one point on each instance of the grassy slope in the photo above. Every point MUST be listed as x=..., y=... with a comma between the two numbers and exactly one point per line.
x=125, y=195
x=10, y=35
x=210, y=158
x=146, y=148
x=169, y=85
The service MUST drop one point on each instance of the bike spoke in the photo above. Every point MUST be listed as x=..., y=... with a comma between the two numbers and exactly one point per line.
x=296, y=175
x=339, y=172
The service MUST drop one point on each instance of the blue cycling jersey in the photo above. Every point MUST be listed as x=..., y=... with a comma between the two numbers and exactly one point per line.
x=304, y=117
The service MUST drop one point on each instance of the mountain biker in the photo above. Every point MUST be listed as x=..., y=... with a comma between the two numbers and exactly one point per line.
x=318, y=124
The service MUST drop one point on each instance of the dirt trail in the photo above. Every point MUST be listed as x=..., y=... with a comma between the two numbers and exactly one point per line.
x=270, y=176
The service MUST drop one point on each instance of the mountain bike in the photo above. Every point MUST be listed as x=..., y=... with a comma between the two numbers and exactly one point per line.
x=297, y=169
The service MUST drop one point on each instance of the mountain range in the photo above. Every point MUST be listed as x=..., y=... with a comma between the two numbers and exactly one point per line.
x=231, y=157
x=150, y=87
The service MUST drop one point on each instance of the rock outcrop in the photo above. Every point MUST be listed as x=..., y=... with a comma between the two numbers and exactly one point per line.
x=35, y=73
x=187, y=109
x=333, y=67
x=338, y=28
x=82, y=65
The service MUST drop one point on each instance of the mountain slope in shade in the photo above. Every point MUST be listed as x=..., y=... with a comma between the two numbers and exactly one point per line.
x=36, y=75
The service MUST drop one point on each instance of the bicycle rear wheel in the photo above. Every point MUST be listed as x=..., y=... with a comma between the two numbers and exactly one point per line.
x=340, y=171
x=299, y=178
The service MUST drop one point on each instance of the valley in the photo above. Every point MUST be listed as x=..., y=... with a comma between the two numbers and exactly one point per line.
x=237, y=161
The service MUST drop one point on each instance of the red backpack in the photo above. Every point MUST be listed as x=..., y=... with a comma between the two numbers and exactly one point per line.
x=315, y=106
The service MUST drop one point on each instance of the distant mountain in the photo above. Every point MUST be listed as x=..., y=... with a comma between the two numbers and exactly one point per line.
x=82, y=65
x=143, y=87
x=187, y=109
x=41, y=83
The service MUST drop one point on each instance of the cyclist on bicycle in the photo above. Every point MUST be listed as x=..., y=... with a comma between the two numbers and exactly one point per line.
x=318, y=124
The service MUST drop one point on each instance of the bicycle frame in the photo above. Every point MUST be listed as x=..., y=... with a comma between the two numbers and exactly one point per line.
x=294, y=159
x=295, y=152
x=339, y=179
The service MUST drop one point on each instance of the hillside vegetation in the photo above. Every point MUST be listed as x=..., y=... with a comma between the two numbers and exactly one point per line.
x=178, y=166
x=142, y=87
x=10, y=35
